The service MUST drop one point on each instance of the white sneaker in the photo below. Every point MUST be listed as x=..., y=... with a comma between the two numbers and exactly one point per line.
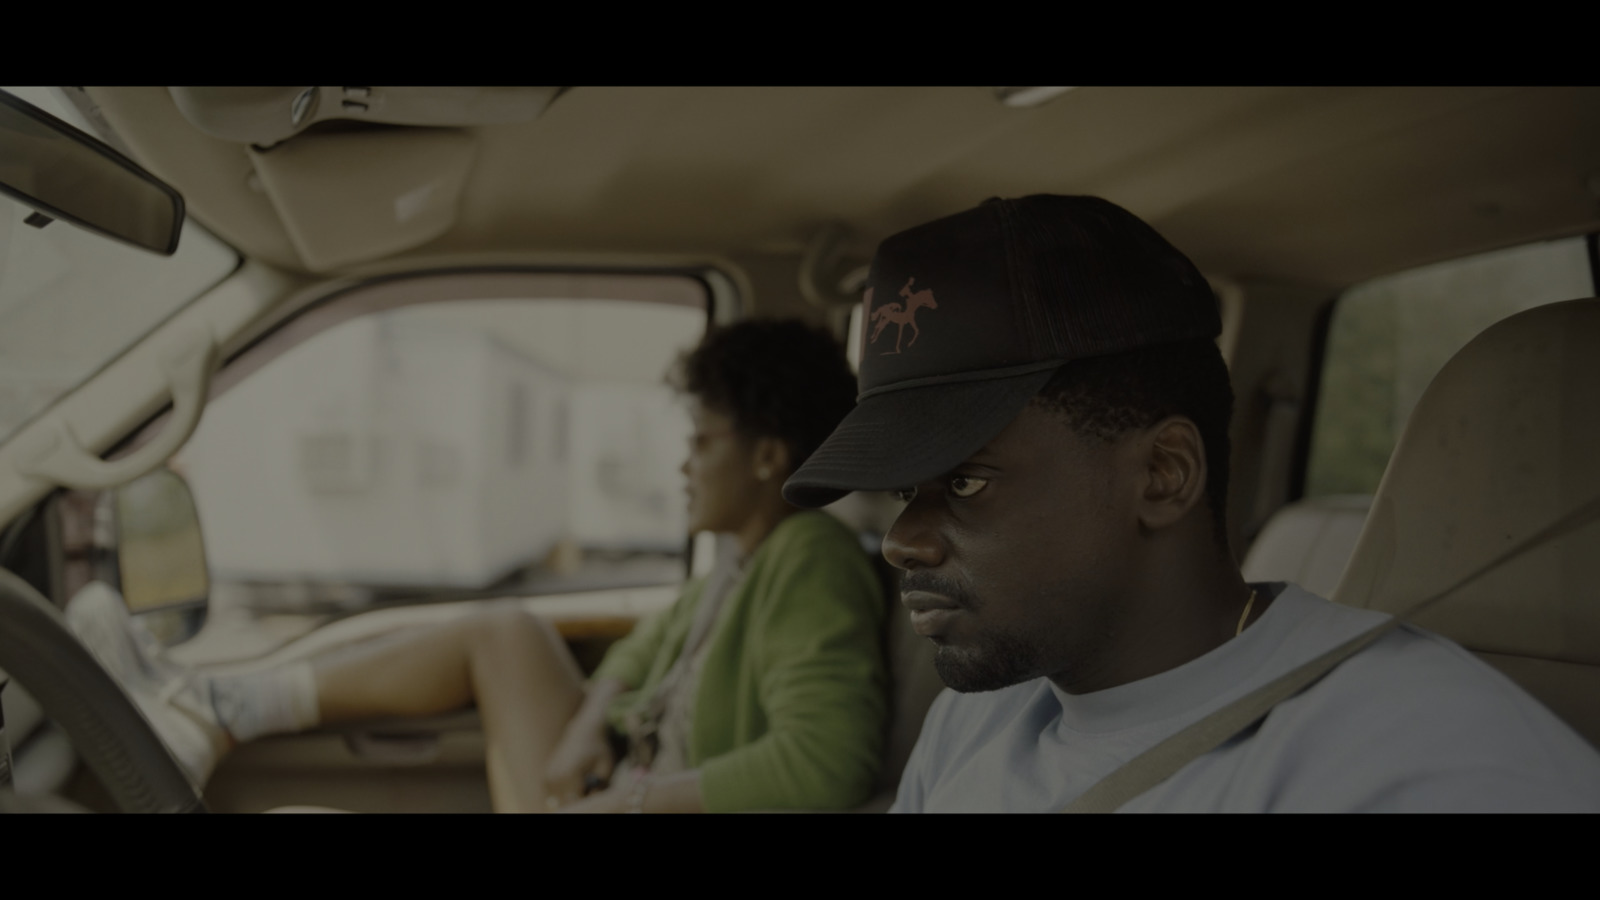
x=174, y=700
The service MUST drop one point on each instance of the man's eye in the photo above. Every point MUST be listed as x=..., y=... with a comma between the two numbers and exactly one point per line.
x=966, y=486
x=904, y=495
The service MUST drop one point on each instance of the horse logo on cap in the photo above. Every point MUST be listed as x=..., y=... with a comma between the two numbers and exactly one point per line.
x=902, y=315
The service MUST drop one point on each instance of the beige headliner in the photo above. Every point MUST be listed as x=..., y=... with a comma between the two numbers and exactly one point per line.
x=1322, y=186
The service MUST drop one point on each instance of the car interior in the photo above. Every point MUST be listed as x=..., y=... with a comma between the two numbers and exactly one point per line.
x=400, y=325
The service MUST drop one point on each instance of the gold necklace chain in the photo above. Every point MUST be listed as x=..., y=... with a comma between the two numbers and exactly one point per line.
x=1246, y=614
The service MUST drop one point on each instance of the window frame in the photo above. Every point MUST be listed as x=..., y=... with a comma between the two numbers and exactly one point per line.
x=324, y=306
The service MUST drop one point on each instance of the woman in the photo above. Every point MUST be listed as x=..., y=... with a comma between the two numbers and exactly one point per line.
x=762, y=687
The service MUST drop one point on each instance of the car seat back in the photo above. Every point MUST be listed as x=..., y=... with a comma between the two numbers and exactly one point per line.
x=1503, y=443
x=913, y=684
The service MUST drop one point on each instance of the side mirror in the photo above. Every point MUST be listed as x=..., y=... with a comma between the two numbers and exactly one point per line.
x=161, y=558
x=65, y=174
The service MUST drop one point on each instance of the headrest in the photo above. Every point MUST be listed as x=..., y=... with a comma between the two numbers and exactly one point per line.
x=1504, y=442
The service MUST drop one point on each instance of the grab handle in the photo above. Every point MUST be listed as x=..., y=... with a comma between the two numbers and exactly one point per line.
x=59, y=458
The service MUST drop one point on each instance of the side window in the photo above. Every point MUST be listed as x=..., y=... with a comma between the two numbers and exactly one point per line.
x=1390, y=336
x=449, y=448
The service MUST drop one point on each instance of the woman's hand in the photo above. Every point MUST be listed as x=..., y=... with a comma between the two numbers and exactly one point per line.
x=613, y=799
x=583, y=756
x=638, y=791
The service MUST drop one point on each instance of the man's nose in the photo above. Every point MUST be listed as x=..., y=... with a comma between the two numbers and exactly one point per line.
x=912, y=541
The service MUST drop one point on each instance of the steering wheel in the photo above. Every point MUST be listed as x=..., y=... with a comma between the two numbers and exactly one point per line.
x=107, y=730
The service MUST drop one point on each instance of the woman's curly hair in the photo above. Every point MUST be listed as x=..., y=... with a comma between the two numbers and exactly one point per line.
x=773, y=378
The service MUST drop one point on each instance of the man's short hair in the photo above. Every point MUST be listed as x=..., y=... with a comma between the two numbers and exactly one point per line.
x=1106, y=397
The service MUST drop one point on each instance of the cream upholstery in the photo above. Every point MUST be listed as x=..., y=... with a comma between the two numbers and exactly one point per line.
x=913, y=684
x=1309, y=543
x=1504, y=442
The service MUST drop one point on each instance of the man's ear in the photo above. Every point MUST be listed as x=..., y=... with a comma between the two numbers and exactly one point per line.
x=1175, y=472
x=772, y=457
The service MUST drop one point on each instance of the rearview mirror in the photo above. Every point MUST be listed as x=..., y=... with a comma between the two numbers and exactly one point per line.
x=65, y=174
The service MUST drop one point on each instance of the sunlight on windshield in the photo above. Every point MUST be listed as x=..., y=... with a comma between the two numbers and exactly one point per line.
x=71, y=301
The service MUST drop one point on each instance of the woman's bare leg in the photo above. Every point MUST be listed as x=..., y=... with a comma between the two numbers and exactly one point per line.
x=513, y=664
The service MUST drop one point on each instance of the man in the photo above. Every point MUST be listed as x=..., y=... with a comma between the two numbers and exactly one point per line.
x=1056, y=419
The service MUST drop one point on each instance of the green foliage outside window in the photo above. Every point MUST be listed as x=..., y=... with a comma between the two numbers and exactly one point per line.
x=1390, y=336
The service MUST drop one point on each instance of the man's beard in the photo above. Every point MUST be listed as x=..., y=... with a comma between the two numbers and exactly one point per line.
x=1000, y=661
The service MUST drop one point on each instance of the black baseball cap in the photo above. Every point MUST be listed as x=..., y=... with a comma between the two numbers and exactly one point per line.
x=965, y=318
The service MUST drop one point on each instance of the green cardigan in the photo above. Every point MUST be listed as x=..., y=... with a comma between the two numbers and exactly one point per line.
x=792, y=704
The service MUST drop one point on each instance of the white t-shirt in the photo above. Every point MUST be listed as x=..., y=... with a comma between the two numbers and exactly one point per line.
x=1412, y=723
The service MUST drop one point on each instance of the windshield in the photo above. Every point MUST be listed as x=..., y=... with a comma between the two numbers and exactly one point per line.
x=72, y=301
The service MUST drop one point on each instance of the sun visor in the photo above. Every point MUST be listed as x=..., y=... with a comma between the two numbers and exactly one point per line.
x=268, y=115
x=352, y=196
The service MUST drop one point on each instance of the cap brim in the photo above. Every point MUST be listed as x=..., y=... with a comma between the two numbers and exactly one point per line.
x=900, y=439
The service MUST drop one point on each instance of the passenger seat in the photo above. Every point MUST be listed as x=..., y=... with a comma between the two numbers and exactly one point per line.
x=913, y=682
x=913, y=685
x=1501, y=446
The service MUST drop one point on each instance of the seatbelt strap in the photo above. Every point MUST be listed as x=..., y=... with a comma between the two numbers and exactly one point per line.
x=1162, y=761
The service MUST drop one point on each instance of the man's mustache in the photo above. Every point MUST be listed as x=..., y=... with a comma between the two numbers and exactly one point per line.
x=943, y=585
